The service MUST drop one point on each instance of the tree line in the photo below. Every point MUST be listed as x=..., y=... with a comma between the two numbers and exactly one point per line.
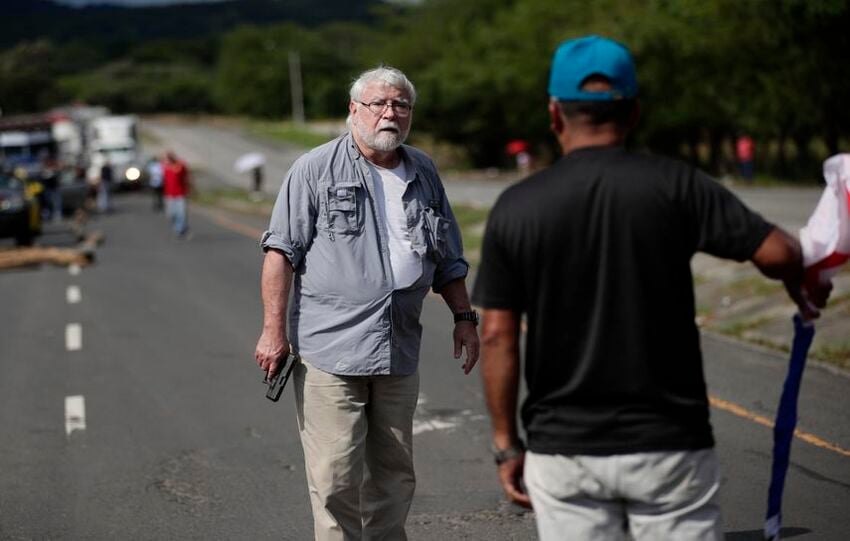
x=709, y=70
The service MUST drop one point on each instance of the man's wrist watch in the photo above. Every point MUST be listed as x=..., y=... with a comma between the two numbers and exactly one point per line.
x=500, y=456
x=472, y=316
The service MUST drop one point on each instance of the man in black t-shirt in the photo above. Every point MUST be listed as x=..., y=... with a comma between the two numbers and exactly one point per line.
x=595, y=251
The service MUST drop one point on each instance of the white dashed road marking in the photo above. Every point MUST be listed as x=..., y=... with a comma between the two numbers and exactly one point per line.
x=73, y=337
x=75, y=414
x=75, y=406
x=73, y=294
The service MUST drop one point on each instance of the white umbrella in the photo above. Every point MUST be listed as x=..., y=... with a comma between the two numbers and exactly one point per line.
x=249, y=161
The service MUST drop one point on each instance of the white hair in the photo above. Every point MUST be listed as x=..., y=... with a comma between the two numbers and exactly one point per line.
x=384, y=74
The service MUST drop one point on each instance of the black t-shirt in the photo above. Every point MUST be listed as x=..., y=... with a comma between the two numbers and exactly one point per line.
x=596, y=251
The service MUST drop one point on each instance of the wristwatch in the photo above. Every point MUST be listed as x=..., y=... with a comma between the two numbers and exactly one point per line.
x=472, y=316
x=500, y=456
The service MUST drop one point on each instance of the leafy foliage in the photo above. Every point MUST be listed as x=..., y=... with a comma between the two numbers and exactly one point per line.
x=253, y=74
x=125, y=86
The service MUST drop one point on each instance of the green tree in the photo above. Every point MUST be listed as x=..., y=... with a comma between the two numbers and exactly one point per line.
x=253, y=68
x=27, y=74
x=126, y=86
x=707, y=69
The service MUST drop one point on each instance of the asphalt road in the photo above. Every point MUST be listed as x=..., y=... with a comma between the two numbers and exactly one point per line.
x=176, y=440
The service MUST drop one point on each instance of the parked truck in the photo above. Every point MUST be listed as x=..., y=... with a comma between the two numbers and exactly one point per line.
x=114, y=139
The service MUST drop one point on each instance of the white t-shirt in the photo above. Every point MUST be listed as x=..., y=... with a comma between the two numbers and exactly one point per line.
x=390, y=185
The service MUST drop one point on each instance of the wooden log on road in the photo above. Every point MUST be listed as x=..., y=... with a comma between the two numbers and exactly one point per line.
x=81, y=255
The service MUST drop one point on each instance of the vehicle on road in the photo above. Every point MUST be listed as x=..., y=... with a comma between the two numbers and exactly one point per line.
x=20, y=213
x=25, y=142
x=114, y=139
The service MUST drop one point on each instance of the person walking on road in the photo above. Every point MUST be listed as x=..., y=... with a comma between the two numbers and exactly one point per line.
x=104, y=187
x=745, y=152
x=360, y=231
x=257, y=182
x=595, y=251
x=176, y=186
x=155, y=174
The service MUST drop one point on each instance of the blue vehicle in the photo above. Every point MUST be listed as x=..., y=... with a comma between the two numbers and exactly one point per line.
x=20, y=212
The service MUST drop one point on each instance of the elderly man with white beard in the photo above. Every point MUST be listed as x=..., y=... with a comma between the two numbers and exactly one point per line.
x=360, y=231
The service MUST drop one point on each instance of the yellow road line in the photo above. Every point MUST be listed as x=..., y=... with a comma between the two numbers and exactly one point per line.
x=740, y=411
x=233, y=225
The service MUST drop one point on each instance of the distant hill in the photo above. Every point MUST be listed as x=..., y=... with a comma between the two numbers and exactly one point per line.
x=113, y=25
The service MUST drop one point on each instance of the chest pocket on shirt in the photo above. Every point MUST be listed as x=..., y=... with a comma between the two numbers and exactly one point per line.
x=436, y=234
x=343, y=207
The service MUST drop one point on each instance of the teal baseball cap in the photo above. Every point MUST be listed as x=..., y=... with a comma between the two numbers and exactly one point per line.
x=577, y=59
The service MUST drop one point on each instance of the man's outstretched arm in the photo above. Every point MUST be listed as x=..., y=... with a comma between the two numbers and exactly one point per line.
x=275, y=283
x=779, y=257
x=500, y=372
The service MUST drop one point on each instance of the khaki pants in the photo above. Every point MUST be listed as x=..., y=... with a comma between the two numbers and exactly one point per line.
x=357, y=434
x=665, y=495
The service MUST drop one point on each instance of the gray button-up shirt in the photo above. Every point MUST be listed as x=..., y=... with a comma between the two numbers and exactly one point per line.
x=344, y=316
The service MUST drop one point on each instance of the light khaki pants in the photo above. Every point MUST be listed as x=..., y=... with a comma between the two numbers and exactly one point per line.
x=357, y=434
x=670, y=496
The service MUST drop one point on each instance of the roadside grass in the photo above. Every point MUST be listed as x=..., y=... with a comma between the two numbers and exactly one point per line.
x=756, y=285
x=755, y=328
x=770, y=181
x=738, y=329
x=149, y=139
x=471, y=221
x=288, y=132
x=234, y=199
x=699, y=279
x=837, y=354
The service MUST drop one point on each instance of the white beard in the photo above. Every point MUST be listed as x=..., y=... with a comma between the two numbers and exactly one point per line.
x=384, y=141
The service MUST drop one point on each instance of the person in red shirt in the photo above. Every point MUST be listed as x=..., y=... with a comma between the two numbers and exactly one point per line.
x=745, y=150
x=176, y=191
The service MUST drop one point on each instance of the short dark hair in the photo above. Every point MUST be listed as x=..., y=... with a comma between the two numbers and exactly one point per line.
x=597, y=113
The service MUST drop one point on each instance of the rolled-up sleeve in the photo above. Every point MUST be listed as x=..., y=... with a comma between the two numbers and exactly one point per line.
x=293, y=220
x=452, y=266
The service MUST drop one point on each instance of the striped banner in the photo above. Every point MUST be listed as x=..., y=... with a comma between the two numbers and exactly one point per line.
x=786, y=422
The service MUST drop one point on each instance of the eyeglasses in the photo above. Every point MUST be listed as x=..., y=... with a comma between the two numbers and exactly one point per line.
x=401, y=108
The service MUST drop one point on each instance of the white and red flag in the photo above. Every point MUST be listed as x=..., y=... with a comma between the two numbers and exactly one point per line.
x=826, y=238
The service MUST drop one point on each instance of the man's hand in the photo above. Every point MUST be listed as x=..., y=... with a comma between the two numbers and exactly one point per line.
x=812, y=295
x=275, y=282
x=780, y=257
x=809, y=296
x=272, y=347
x=510, y=475
x=466, y=335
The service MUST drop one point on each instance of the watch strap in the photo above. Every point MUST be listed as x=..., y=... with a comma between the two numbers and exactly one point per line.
x=500, y=456
x=471, y=315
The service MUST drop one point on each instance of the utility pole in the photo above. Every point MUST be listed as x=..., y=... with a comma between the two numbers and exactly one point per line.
x=295, y=87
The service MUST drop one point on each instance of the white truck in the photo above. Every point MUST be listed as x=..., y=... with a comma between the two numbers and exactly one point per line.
x=114, y=139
